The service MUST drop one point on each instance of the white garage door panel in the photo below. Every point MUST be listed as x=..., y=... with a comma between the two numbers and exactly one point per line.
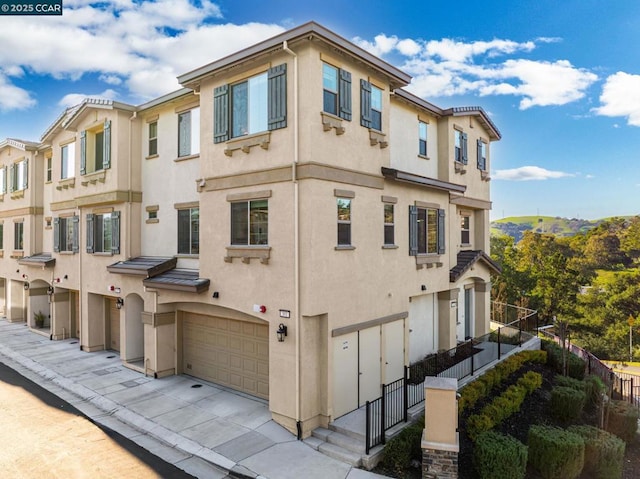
x=228, y=352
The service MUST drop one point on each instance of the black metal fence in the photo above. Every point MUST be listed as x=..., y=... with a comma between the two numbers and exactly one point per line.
x=464, y=360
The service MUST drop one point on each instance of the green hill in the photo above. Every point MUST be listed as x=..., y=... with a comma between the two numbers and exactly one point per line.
x=516, y=225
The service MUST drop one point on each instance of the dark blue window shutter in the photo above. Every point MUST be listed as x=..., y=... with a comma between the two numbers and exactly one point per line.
x=413, y=230
x=479, y=154
x=365, y=103
x=90, y=236
x=4, y=180
x=76, y=235
x=106, y=146
x=83, y=152
x=25, y=176
x=465, y=158
x=115, y=232
x=56, y=235
x=344, y=89
x=277, y=80
x=441, y=236
x=221, y=114
x=12, y=177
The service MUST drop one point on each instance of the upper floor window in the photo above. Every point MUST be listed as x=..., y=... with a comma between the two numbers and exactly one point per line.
x=422, y=138
x=103, y=233
x=95, y=149
x=426, y=231
x=465, y=230
x=344, y=221
x=189, y=132
x=189, y=231
x=153, y=138
x=254, y=105
x=67, y=161
x=482, y=155
x=18, y=173
x=65, y=234
x=18, y=236
x=336, y=91
x=389, y=224
x=370, y=105
x=460, y=147
x=49, y=169
x=3, y=180
x=250, y=222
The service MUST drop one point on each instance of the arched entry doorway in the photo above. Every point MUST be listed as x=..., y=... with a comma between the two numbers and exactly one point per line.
x=132, y=351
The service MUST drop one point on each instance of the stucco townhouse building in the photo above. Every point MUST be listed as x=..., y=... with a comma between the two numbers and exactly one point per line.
x=292, y=224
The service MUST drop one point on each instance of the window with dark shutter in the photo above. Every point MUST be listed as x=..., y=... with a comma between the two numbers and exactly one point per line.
x=221, y=114
x=106, y=146
x=277, y=79
x=90, y=233
x=184, y=134
x=482, y=158
x=25, y=174
x=441, y=230
x=115, y=232
x=83, y=155
x=345, y=95
x=76, y=236
x=413, y=230
x=365, y=103
x=56, y=235
x=465, y=157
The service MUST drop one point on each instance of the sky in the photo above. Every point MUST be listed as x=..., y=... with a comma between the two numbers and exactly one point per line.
x=560, y=79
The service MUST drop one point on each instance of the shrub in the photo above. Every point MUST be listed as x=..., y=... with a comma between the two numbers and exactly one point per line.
x=477, y=424
x=531, y=381
x=622, y=420
x=603, y=452
x=567, y=404
x=575, y=365
x=497, y=456
x=402, y=449
x=555, y=453
x=566, y=381
x=595, y=389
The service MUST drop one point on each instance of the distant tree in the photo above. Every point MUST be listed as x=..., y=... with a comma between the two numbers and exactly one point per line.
x=630, y=239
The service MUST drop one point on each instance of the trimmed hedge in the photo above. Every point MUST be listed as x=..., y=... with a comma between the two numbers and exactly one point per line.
x=575, y=365
x=503, y=406
x=566, y=381
x=498, y=456
x=555, y=453
x=595, y=389
x=567, y=403
x=481, y=387
x=603, y=452
x=402, y=449
x=622, y=420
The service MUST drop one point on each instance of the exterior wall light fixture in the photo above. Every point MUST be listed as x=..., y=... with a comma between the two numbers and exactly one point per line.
x=119, y=303
x=281, y=332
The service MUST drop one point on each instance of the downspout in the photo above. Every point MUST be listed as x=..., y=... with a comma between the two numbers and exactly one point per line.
x=296, y=233
x=129, y=185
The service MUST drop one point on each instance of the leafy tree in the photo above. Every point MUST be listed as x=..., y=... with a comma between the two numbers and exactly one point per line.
x=630, y=239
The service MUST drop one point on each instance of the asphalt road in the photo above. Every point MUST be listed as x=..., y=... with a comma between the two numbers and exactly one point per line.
x=45, y=437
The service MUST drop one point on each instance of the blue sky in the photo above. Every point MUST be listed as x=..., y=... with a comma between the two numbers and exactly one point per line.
x=561, y=79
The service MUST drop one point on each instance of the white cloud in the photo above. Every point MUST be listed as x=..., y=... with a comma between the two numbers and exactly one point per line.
x=72, y=99
x=125, y=42
x=529, y=173
x=621, y=97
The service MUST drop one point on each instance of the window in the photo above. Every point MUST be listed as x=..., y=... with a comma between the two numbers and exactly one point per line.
x=153, y=138
x=3, y=180
x=189, y=132
x=153, y=215
x=49, y=168
x=18, y=173
x=65, y=234
x=344, y=221
x=370, y=106
x=103, y=233
x=189, y=231
x=252, y=106
x=460, y=147
x=482, y=155
x=426, y=231
x=250, y=222
x=95, y=149
x=68, y=160
x=465, y=231
x=336, y=91
x=389, y=226
x=422, y=141
x=18, y=236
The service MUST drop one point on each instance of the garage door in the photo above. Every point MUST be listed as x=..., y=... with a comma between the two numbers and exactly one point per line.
x=228, y=352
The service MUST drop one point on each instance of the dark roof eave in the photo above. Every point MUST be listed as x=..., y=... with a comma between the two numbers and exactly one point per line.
x=455, y=274
x=143, y=266
x=37, y=260
x=307, y=30
x=393, y=174
x=198, y=286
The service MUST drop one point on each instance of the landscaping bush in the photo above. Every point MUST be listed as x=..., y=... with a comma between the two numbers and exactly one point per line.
x=567, y=404
x=603, y=452
x=595, y=390
x=555, y=453
x=530, y=381
x=622, y=420
x=575, y=365
x=402, y=449
x=497, y=456
x=566, y=381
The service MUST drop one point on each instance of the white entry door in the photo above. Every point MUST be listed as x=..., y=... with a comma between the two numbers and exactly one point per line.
x=369, y=359
x=345, y=374
x=393, y=334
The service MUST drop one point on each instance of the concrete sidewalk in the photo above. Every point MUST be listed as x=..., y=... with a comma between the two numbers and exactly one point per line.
x=204, y=429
